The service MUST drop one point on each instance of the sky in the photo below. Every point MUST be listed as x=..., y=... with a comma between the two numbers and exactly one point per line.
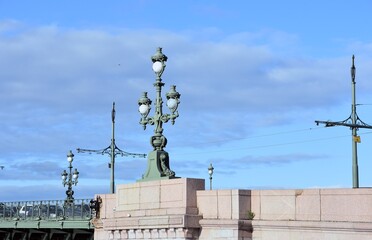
x=253, y=77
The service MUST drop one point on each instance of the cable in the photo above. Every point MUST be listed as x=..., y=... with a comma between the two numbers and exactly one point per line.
x=273, y=145
x=263, y=135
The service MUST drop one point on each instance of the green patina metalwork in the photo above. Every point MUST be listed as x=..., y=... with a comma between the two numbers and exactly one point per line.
x=112, y=151
x=354, y=123
x=47, y=214
x=70, y=178
x=158, y=159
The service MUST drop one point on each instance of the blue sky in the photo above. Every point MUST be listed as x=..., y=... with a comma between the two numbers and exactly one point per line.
x=253, y=76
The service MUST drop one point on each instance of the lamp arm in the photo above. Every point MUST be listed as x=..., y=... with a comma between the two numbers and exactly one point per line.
x=166, y=117
x=146, y=120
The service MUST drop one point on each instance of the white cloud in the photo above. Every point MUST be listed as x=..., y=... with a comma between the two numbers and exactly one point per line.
x=57, y=86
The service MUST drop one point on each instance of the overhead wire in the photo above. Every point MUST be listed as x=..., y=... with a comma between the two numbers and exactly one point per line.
x=271, y=145
x=261, y=135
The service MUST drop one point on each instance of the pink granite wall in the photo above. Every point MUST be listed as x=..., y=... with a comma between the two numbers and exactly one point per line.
x=341, y=205
x=182, y=209
x=322, y=214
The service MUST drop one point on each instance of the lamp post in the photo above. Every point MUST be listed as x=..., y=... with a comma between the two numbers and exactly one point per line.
x=158, y=159
x=70, y=178
x=210, y=172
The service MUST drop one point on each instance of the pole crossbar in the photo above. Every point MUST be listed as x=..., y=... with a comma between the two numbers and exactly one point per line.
x=345, y=123
x=117, y=151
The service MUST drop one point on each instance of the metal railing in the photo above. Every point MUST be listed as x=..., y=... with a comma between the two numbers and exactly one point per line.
x=50, y=210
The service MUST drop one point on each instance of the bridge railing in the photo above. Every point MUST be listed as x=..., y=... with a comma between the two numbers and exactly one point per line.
x=78, y=209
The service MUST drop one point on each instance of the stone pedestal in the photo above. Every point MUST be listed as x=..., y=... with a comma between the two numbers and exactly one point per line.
x=160, y=209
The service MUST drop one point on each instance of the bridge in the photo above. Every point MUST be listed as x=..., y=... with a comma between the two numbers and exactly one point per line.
x=49, y=219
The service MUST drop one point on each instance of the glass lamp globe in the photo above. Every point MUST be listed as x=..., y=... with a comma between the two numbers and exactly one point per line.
x=210, y=169
x=63, y=177
x=75, y=175
x=70, y=159
x=143, y=109
x=172, y=103
x=157, y=67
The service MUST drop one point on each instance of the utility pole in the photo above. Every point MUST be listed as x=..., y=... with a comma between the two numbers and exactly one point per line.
x=112, y=151
x=354, y=123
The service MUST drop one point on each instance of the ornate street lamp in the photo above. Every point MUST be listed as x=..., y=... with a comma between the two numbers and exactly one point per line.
x=70, y=179
x=158, y=159
x=210, y=172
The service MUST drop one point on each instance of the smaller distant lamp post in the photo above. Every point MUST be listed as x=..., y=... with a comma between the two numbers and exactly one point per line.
x=210, y=171
x=70, y=179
